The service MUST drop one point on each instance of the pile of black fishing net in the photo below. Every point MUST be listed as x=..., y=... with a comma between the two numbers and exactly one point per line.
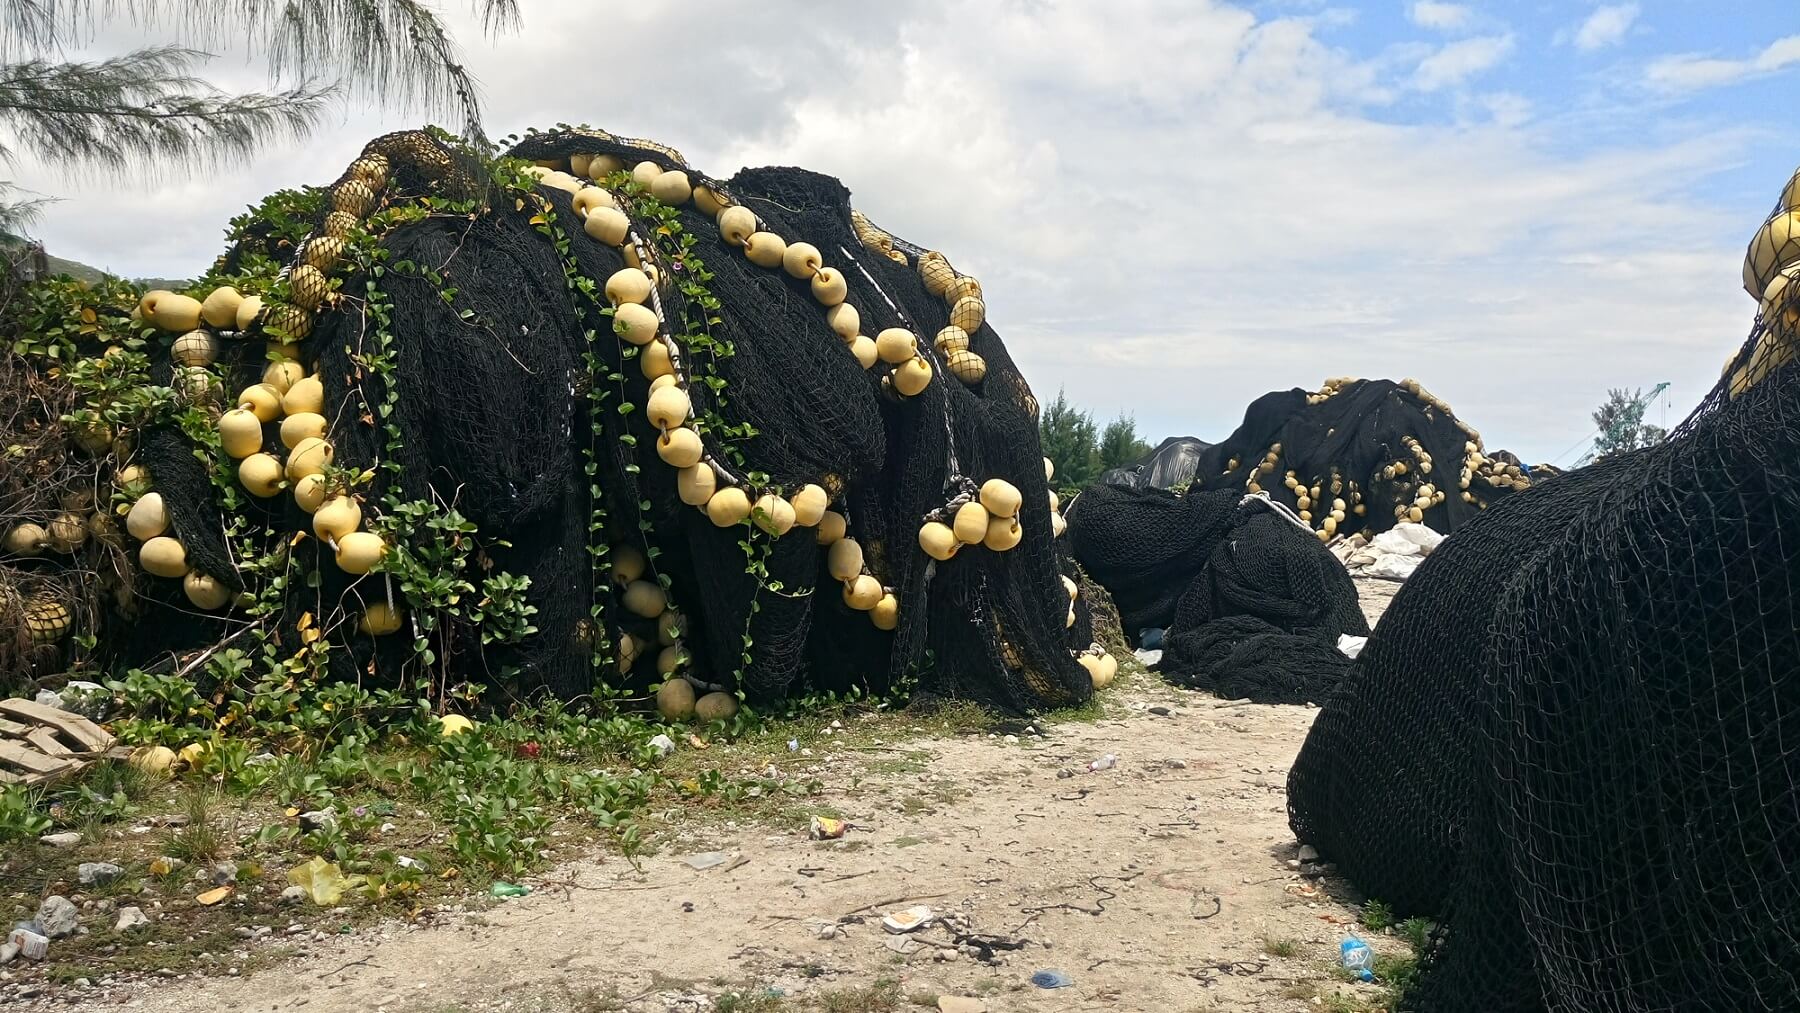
x=1573, y=739
x=1372, y=445
x=494, y=409
x=1251, y=601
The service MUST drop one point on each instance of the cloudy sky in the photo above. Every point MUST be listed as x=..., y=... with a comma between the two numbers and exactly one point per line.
x=1176, y=206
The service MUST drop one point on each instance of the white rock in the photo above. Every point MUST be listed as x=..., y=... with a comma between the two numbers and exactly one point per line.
x=58, y=917
x=63, y=840
x=131, y=918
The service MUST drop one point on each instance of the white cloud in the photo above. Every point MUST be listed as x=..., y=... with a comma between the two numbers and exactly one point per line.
x=1440, y=16
x=1459, y=61
x=1173, y=206
x=1692, y=71
x=1605, y=27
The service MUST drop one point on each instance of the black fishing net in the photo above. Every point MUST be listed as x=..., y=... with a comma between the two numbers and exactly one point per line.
x=1572, y=737
x=1251, y=601
x=492, y=368
x=1361, y=455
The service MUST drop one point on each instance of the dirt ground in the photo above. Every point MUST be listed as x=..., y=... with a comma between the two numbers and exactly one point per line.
x=1163, y=883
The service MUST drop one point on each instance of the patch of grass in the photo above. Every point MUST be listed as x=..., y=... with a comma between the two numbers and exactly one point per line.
x=199, y=840
x=1280, y=947
x=1377, y=916
x=753, y=1001
x=1397, y=973
x=1417, y=931
x=881, y=997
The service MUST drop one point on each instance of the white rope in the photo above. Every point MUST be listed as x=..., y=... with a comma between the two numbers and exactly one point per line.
x=1279, y=509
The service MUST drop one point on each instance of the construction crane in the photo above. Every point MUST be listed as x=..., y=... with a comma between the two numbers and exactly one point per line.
x=1631, y=416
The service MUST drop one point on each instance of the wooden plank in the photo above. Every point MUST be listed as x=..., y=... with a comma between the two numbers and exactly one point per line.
x=88, y=736
x=8, y=777
x=59, y=774
x=28, y=760
x=44, y=740
x=13, y=729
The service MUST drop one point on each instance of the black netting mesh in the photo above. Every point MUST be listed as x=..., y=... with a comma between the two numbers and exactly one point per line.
x=494, y=415
x=1252, y=602
x=1572, y=738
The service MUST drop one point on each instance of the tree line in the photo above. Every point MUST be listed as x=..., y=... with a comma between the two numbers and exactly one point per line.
x=1080, y=448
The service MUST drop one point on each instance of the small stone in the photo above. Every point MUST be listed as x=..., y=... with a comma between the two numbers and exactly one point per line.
x=828, y=932
x=131, y=918
x=663, y=745
x=1011, y=740
x=8, y=951
x=244, y=932
x=1175, y=764
x=960, y=1004
x=224, y=873
x=293, y=895
x=97, y=873
x=1064, y=774
x=1293, y=863
x=57, y=917
x=318, y=819
x=945, y=956
x=1308, y=853
x=83, y=983
x=1161, y=712
x=63, y=840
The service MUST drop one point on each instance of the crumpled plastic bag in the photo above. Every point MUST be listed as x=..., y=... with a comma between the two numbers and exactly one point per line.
x=323, y=881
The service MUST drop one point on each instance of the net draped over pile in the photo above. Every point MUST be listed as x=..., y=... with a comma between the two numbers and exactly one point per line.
x=1573, y=738
x=1252, y=603
x=493, y=411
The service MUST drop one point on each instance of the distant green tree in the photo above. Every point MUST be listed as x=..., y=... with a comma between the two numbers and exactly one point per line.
x=1622, y=426
x=1119, y=443
x=1070, y=440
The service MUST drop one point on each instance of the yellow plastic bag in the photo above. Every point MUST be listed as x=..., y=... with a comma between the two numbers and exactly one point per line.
x=323, y=881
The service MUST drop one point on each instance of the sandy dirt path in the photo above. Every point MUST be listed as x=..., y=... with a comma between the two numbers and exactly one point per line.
x=1157, y=885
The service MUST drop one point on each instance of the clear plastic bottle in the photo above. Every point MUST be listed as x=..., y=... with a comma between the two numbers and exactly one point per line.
x=1357, y=958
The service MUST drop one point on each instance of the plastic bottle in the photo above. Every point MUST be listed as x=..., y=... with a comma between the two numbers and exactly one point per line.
x=1106, y=762
x=1357, y=958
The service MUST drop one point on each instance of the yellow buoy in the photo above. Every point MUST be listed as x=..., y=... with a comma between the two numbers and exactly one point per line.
x=968, y=313
x=672, y=188
x=262, y=401
x=862, y=593
x=656, y=361
x=675, y=700
x=728, y=506
x=26, y=539
x=696, y=485
x=636, y=323
x=668, y=627
x=1049, y=469
x=204, y=592
x=936, y=273
x=646, y=172
x=863, y=348
x=710, y=201
x=809, y=505
x=938, y=541
x=147, y=518
x=590, y=197
x=220, y=308
x=283, y=375
x=844, y=321
x=309, y=493
x=1001, y=497
x=896, y=345
x=260, y=475
x=845, y=559
x=607, y=225
x=802, y=260
x=961, y=287
x=311, y=457
x=626, y=651
x=668, y=408
x=359, y=551
x=832, y=528
x=163, y=556
x=971, y=523
x=773, y=514
x=169, y=311
x=248, y=310
x=912, y=377
x=715, y=707
x=153, y=759
x=378, y=620
x=305, y=395
x=645, y=599
x=886, y=613
x=670, y=659
x=628, y=285
x=1069, y=586
x=454, y=724
x=765, y=249
x=950, y=340
x=322, y=252
x=195, y=348
x=298, y=428
x=829, y=286
x=601, y=166
x=628, y=564
x=1003, y=533
x=308, y=286
x=335, y=518
x=737, y=224
x=680, y=447
x=966, y=366
x=67, y=532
